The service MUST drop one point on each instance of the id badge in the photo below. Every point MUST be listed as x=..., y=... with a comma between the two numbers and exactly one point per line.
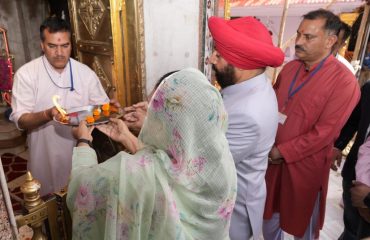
x=282, y=118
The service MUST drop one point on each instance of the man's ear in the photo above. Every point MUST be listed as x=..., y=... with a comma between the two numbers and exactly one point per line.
x=213, y=59
x=42, y=46
x=331, y=40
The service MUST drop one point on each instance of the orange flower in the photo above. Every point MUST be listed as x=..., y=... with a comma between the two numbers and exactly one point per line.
x=106, y=113
x=64, y=119
x=96, y=112
x=90, y=119
x=105, y=107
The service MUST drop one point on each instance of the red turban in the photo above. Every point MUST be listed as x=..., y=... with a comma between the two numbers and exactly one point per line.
x=245, y=43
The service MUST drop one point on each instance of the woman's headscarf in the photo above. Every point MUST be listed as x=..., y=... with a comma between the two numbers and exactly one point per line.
x=182, y=184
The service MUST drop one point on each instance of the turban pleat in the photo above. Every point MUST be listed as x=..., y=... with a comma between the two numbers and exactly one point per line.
x=245, y=43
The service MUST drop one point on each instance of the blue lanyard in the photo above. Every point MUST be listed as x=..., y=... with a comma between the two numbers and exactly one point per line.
x=292, y=91
x=71, y=75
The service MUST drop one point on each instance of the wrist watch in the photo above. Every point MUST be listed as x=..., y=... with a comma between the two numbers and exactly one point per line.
x=84, y=140
x=367, y=200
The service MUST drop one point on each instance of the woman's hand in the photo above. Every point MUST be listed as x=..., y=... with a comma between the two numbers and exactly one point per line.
x=82, y=131
x=116, y=129
x=134, y=120
x=115, y=103
x=140, y=105
x=135, y=116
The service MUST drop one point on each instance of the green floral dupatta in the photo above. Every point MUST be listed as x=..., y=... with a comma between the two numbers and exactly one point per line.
x=180, y=185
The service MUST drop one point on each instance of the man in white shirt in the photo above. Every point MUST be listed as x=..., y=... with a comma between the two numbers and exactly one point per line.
x=243, y=50
x=35, y=83
x=344, y=33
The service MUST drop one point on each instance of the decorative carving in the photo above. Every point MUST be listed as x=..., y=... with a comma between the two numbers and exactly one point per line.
x=92, y=13
x=98, y=69
x=141, y=39
x=121, y=68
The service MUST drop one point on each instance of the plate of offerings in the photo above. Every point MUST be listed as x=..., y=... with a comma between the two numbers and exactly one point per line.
x=92, y=114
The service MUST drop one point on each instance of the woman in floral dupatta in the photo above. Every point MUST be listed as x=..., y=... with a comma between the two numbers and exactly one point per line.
x=180, y=184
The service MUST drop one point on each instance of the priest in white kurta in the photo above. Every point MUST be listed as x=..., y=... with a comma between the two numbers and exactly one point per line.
x=50, y=143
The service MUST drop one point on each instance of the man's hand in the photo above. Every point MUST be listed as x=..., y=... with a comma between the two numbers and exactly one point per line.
x=358, y=194
x=29, y=121
x=115, y=103
x=276, y=161
x=364, y=213
x=275, y=157
x=336, y=159
x=50, y=113
x=54, y=113
x=82, y=131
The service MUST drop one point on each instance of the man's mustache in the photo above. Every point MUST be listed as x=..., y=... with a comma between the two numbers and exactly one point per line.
x=297, y=47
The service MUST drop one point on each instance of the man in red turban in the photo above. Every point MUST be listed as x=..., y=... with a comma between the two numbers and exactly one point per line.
x=244, y=49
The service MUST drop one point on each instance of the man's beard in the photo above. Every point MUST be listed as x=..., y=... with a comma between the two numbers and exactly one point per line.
x=226, y=76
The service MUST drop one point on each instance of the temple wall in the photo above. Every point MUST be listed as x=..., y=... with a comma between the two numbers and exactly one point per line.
x=172, y=33
x=22, y=19
x=171, y=37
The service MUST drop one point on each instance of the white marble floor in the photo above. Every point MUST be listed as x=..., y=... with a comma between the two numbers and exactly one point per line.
x=333, y=225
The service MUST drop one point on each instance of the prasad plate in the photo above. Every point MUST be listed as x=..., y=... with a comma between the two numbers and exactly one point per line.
x=76, y=115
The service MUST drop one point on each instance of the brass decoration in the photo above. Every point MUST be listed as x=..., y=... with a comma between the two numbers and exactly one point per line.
x=65, y=218
x=92, y=47
x=59, y=219
x=227, y=8
x=53, y=210
x=118, y=45
x=30, y=190
x=349, y=18
x=129, y=57
x=141, y=42
x=98, y=69
x=37, y=210
x=91, y=13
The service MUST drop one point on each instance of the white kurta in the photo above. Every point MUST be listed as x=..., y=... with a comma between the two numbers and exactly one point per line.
x=345, y=62
x=51, y=145
x=253, y=120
